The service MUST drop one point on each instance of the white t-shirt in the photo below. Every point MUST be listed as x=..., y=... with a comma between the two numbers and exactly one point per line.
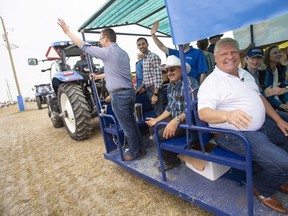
x=225, y=92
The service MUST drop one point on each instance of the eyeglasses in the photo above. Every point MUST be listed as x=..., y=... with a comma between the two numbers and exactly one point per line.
x=101, y=38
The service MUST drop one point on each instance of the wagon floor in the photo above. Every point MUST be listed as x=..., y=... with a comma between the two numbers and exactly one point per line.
x=224, y=196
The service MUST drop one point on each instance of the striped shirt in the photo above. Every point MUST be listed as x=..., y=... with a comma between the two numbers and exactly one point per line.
x=151, y=70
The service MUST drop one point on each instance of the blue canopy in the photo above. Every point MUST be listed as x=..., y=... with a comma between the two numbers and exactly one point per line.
x=191, y=20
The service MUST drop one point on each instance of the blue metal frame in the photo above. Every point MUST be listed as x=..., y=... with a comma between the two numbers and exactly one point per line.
x=235, y=162
x=179, y=184
x=183, y=186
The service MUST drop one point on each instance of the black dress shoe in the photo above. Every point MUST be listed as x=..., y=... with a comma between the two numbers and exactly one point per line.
x=169, y=166
x=271, y=202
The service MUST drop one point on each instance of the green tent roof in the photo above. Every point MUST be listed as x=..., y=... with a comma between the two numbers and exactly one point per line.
x=116, y=13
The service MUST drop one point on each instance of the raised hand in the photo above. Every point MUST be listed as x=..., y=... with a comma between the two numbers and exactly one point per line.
x=155, y=27
x=63, y=25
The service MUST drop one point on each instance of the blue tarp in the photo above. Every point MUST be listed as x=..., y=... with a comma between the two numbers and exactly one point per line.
x=191, y=20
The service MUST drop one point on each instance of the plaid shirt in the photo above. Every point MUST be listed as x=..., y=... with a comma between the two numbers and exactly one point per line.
x=151, y=70
x=210, y=62
x=176, y=96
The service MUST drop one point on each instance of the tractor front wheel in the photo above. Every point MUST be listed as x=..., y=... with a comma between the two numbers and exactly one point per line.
x=77, y=118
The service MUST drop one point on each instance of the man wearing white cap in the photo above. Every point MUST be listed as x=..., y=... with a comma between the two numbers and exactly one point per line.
x=175, y=112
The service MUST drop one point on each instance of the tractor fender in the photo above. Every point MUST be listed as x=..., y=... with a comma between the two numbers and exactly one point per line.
x=67, y=76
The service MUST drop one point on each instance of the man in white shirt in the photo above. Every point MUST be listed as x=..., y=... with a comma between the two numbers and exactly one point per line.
x=229, y=98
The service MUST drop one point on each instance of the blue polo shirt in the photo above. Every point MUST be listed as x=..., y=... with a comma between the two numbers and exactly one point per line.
x=196, y=59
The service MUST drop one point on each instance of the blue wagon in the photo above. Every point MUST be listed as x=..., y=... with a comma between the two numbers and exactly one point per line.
x=186, y=21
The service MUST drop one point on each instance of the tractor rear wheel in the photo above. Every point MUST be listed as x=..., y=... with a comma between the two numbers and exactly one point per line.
x=77, y=118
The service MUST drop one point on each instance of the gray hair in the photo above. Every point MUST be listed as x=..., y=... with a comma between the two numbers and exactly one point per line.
x=226, y=40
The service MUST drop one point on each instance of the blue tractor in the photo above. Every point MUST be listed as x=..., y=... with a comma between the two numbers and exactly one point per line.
x=43, y=93
x=73, y=102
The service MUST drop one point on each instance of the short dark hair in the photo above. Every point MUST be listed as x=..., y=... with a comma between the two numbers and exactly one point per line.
x=203, y=44
x=142, y=38
x=109, y=33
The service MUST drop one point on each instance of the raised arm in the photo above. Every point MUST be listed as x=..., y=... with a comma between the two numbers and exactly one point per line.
x=78, y=41
x=156, y=40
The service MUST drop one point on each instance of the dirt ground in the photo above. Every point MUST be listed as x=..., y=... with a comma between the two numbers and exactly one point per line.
x=44, y=172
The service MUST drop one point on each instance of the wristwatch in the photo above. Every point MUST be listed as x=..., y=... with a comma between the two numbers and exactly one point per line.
x=178, y=119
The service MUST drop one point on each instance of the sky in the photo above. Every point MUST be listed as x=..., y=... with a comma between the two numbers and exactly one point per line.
x=31, y=25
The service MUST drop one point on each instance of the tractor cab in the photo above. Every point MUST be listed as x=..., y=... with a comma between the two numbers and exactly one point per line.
x=66, y=55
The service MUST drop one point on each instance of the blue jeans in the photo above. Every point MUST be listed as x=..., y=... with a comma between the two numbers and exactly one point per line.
x=123, y=107
x=283, y=115
x=159, y=106
x=269, y=152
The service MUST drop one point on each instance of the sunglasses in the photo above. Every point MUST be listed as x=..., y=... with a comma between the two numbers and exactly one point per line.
x=172, y=69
